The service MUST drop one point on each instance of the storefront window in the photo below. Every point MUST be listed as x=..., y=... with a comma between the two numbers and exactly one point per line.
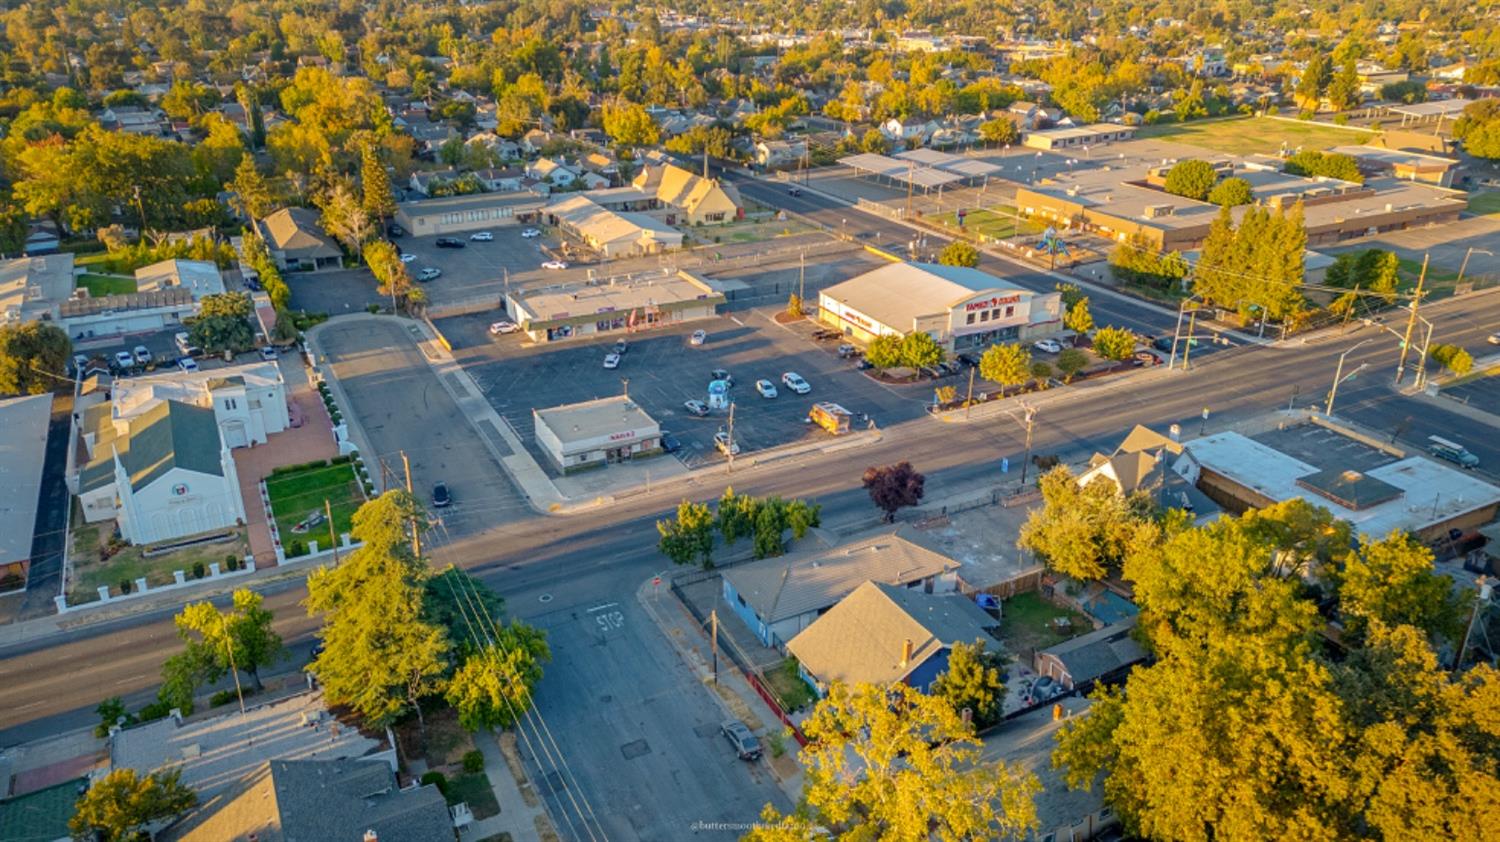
x=1010, y=310
x=984, y=315
x=969, y=319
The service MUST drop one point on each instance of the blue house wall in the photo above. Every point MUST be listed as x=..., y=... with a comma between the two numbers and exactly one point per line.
x=927, y=672
x=745, y=612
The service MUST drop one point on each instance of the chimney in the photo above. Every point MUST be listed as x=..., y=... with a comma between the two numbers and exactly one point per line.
x=906, y=647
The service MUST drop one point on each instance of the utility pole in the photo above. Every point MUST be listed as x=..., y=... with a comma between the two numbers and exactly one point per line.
x=416, y=534
x=1030, y=416
x=969, y=398
x=332, y=536
x=234, y=670
x=1411, y=322
x=713, y=619
x=729, y=446
x=1483, y=601
x=1187, y=346
x=802, y=277
x=911, y=172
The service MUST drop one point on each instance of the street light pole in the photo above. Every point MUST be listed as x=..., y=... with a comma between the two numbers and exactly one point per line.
x=1465, y=264
x=1029, y=414
x=1338, y=377
x=1411, y=322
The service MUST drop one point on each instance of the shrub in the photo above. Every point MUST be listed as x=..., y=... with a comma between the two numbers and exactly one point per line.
x=959, y=253
x=297, y=548
x=1070, y=362
x=1114, y=343
x=198, y=570
x=125, y=586
x=437, y=779
x=372, y=308
x=157, y=710
x=341, y=460
x=1453, y=358
x=473, y=761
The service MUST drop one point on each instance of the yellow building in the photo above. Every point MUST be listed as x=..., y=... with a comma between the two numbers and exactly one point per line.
x=694, y=200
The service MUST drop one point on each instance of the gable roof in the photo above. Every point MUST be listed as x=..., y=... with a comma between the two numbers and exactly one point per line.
x=1129, y=470
x=778, y=588
x=861, y=639
x=1143, y=438
x=169, y=435
x=296, y=232
x=1098, y=653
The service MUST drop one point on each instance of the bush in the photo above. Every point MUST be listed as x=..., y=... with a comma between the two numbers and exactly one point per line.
x=1453, y=358
x=157, y=710
x=231, y=562
x=126, y=585
x=1114, y=343
x=437, y=779
x=473, y=762
x=198, y=570
x=959, y=253
x=298, y=547
x=341, y=460
x=372, y=309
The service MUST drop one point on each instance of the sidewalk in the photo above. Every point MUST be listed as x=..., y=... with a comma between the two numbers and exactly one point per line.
x=733, y=691
x=520, y=816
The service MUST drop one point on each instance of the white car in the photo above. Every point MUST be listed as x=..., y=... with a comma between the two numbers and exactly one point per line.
x=429, y=274
x=698, y=338
x=792, y=380
x=481, y=236
x=531, y=233
x=142, y=355
x=503, y=327
x=187, y=364
x=123, y=359
x=1047, y=346
x=722, y=442
x=1493, y=339
x=555, y=264
x=611, y=360
x=766, y=388
x=267, y=353
x=408, y=258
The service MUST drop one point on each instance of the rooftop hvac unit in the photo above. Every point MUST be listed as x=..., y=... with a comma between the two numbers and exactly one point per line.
x=1158, y=211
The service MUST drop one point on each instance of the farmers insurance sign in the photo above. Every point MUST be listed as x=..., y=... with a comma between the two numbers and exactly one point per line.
x=992, y=303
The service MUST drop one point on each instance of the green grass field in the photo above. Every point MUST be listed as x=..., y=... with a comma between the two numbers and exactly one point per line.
x=1026, y=623
x=998, y=223
x=129, y=564
x=1249, y=135
x=101, y=285
x=1484, y=203
x=298, y=494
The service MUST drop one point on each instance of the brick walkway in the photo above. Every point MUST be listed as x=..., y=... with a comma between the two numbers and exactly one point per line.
x=313, y=439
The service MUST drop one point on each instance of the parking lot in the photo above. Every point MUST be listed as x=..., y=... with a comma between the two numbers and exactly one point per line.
x=664, y=371
x=479, y=268
x=164, y=353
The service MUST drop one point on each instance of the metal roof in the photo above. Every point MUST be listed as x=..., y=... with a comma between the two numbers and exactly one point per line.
x=23, y=451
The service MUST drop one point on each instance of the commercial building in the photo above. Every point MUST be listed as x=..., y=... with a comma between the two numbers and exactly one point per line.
x=1077, y=137
x=1402, y=164
x=298, y=242
x=23, y=451
x=611, y=233
x=584, y=310
x=32, y=288
x=960, y=307
x=199, y=277
x=1131, y=202
x=779, y=597
x=597, y=432
x=85, y=317
x=249, y=402
x=455, y=214
x=883, y=634
x=1374, y=486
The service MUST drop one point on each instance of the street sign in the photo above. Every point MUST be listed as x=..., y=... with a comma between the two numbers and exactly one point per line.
x=656, y=581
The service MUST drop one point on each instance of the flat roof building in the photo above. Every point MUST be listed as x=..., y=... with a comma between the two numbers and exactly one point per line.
x=960, y=307
x=597, y=432
x=23, y=452
x=33, y=288
x=1402, y=164
x=199, y=277
x=583, y=310
x=453, y=214
x=1077, y=137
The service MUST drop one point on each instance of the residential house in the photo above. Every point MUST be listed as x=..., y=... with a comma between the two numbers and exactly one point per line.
x=1025, y=743
x=199, y=277
x=1106, y=655
x=1028, y=115
x=553, y=171
x=33, y=288
x=297, y=242
x=534, y=140
x=423, y=181
x=775, y=154
x=134, y=119
x=41, y=240
x=430, y=136
x=593, y=181
x=882, y=634
x=694, y=200
x=779, y=597
x=501, y=180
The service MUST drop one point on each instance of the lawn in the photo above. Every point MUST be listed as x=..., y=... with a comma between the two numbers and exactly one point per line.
x=297, y=494
x=1027, y=623
x=130, y=563
x=102, y=285
x=997, y=223
x=790, y=689
x=1249, y=135
x=476, y=791
x=1485, y=204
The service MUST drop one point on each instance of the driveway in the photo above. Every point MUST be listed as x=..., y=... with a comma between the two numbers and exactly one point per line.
x=640, y=732
x=402, y=408
x=335, y=292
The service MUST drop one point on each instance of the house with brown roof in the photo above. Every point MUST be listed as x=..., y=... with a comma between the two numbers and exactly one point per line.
x=297, y=241
x=883, y=634
x=779, y=597
x=694, y=200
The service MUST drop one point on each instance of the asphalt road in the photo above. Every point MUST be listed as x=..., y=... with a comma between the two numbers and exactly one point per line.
x=52, y=685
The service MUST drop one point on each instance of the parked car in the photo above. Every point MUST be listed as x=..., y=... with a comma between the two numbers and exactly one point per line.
x=721, y=374
x=408, y=257
x=722, y=442
x=123, y=360
x=531, y=233
x=698, y=408
x=503, y=327
x=968, y=359
x=481, y=236
x=795, y=191
x=395, y=230
x=188, y=349
x=1048, y=346
x=187, y=364
x=1162, y=343
x=449, y=243
x=847, y=351
x=669, y=443
x=142, y=355
x=863, y=364
x=555, y=264
x=440, y=496
x=611, y=360
x=429, y=274
x=744, y=741
x=621, y=346
x=766, y=388
x=80, y=362
x=698, y=338
x=1493, y=339
x=268, y=353
x=1044, y=688
x=825, y=334
x=792, y=380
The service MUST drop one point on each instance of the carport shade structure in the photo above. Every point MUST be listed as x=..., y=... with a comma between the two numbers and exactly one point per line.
x=905, y=172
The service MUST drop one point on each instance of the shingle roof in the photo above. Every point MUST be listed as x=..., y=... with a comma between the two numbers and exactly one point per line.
x=296, y=232
x=860, y=640
x=171, y=435
x=778, y=588
x=1099, y=653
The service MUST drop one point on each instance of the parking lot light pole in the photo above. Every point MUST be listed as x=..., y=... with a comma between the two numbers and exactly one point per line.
x=1465, y=264
x=1338, y=377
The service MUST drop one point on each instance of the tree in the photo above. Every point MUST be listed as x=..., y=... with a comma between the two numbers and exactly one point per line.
x=972, y=681
x=1343, y=89
x=875, y=142
x=1231, y=192
x=455, y=602
x=493, y=687
x=794, y=306
x=893, y=487
x=959, y=253
x=238, y=639
x=1191, y=178
x=345, y=219
x=1007, y=365
x=919, y=349
x=628, y=124
x=120, y=805
x=375, y=186
x=1312, y=163
x=999, y=130
x=1078, y=318
x=1114, y=343
x=1083, y=531
x=217, y=334
x=381, y=655
x=1314, y=81
x=689, y=536
x=894, y=764
x=1392, y=581
x=33, y=358
x=391, y=275
x=1453, y=358
x=1070, y=362
x=884, y=351
x=111, y=712
x=252, y=195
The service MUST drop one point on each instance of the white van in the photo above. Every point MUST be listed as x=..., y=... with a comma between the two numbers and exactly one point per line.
x=187, y=348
